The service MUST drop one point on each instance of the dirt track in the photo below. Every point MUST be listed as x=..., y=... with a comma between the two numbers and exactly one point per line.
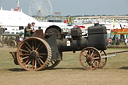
x=68, y=72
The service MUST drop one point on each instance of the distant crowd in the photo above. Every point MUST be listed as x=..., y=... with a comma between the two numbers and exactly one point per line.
x=117, y=41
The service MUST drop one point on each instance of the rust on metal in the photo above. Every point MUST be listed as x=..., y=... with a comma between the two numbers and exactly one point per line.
x=90, y=58
x=38, y=33
x=34, y=54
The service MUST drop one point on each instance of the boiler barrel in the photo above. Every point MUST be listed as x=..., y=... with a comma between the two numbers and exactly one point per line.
x=72, y=45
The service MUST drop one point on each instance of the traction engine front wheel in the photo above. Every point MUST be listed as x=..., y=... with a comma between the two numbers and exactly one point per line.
x=103, y=60
x=90, y=58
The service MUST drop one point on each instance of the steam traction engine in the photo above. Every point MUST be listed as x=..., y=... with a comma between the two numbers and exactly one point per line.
x=45, y=50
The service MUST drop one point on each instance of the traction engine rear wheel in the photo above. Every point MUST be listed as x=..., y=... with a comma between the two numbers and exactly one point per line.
x=53, y=64
x=34, y=54
x=90, y=58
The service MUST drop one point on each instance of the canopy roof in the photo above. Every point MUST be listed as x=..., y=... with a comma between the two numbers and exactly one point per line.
x=119, y=31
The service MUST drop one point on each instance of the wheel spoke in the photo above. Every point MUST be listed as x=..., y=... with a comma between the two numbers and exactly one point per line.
x=26, y=61
x=38, y=46
x=32, y=45
x=42, y=54
x=25, y=57
x=97, y=58
x=35, y=44
x=42, y=57
x=25, y=54
x=35, y=63
x=24, y=50
x=89, y=52
x=28, y=45
x=92, y=53
x=93, y=65
x=41, y=60
x=28, y=49
x=84, y=64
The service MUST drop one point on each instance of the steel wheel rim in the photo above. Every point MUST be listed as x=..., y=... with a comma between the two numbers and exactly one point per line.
x=103, y=60
x=53, y=64
x=34, y=54
x=90, y=58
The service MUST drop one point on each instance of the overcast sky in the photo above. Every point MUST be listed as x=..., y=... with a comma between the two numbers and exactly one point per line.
x=77, y=7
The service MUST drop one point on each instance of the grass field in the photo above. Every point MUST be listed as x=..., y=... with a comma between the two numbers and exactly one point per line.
x=68, y=72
